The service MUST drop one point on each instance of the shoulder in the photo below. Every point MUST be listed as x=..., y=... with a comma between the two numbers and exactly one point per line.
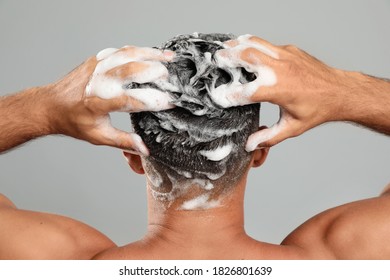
x=357, y=230
x=34, y=235
x=5, y=202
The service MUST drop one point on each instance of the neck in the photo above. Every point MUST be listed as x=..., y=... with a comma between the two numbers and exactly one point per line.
x=206, y=229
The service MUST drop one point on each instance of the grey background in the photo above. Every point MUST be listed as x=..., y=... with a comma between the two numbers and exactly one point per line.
x=40, y=41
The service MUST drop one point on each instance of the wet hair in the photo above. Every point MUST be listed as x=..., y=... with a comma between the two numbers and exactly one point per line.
x=182, y=140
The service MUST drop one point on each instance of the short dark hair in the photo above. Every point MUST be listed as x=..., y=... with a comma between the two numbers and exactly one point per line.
x=183, y=139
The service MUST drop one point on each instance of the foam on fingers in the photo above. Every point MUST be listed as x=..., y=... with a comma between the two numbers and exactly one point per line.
x=146, y=53
x=261, y=136
x=138, y=144
x=117, y=69
x=149, y=99
x=138, y=147
x=150, y=71
x=236, y=93
x=249, y=41
x=118, y=138
x=105, y=53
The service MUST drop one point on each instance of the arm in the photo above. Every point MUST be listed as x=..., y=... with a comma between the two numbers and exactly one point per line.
x=308, y=92
x=79, y=104
x=23, y=117
x=367, y=102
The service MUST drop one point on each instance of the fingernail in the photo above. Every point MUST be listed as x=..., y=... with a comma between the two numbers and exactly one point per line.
x=139, y=145
x=143, y=150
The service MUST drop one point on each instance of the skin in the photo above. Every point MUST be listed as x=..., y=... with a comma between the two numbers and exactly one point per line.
x=357, y=230
x=309, y=92
x=64, y=107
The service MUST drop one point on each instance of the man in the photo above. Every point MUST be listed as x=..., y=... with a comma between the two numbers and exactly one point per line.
x=206, y=221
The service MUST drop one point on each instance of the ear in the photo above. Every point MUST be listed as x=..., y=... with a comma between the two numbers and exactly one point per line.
x=134, y=162
x=259, y=156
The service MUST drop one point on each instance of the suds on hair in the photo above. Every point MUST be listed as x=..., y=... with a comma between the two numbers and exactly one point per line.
x=178, y=138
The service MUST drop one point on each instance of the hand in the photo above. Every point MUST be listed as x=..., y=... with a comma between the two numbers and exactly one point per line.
x=306, y=89
x=86, y=96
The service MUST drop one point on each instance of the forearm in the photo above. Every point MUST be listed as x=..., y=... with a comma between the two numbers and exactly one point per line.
x=24, y=116
x=366, y=101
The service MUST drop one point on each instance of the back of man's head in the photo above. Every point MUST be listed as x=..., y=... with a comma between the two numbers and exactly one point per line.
x=196, y=144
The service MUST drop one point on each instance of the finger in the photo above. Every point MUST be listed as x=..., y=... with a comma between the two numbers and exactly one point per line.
x=230, y=58
x=242, y=56
x=269, y=137
x=131, y=100
x=114, y=83
x=139, y=72
x=260, y=44
x=131, y=142
x=248, y=40
x=105, y=53
x=229, y=95
x=147, y=99
x=103, y=106
x=230, y=43
x=129, y=54
x=145, y=53
x=256, y=57
x=235, y=93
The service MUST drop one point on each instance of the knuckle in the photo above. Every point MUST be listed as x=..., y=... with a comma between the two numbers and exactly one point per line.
x=113, y=72
x=246, y=52
x=91, y=137
x=95, y=142
x=131, y=67
x=88, y=102
x=128, y=48
x=255, y=39
x=291, y=48
x=123, y=146
x=249, y=54
x=244, y=37
x=92, y=105
x=288, y=67
x=122, y=142
x=252, y=38
x=296, y=130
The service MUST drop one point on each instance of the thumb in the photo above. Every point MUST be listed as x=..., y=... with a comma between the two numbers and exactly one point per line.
x=268, y=137
x=130, y=142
